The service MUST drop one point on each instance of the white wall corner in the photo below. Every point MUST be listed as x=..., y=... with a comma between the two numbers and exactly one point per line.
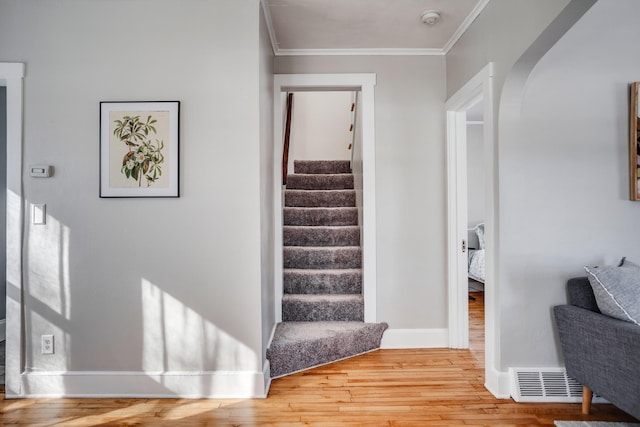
x=11, y=75
x=498, y=383
x=415, y=338
x=266, y=374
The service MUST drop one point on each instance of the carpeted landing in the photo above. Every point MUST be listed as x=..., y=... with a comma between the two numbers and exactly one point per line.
x=322, y=305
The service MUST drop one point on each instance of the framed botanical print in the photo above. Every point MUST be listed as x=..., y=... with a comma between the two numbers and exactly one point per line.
x=139, y=149
x=634, y=144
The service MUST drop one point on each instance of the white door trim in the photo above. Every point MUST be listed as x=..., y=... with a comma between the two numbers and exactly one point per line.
x=11, y=76
x=479, y=87
x=325, y=82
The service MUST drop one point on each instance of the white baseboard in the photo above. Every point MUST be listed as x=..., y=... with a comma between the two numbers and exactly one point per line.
x=266, y=375
x=415, y=338
x=3, y=329
x=195, y=385
x=498, y=383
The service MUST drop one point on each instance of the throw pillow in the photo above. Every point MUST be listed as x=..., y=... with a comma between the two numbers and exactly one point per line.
x=617, y=290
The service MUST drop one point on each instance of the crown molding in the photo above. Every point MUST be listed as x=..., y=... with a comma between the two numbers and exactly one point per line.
x=361, y=52
x=371, y=52
x=270, y=29
x=465, y=25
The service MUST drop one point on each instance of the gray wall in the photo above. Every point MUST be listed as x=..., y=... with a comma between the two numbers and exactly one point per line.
x=320, y=126
x=475, y=175
x=410, y=181
x=564, y=178
x=514, y=35
x=500, y=34
x=130, y=284
x=3, y=201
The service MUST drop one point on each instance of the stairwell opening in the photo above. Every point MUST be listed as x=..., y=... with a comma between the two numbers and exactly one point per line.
x=325, y=277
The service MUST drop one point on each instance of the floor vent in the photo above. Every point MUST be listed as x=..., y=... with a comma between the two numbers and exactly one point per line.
x=546, y=385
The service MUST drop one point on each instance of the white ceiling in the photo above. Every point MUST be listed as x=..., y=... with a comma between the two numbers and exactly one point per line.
x=367, y=26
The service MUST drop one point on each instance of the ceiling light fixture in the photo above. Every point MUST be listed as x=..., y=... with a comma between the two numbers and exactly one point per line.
x=430, y=17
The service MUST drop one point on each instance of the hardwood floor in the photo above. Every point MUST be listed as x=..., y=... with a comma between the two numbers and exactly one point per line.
x=438, y=387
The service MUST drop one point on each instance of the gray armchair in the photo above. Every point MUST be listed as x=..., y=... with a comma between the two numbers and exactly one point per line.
x=600, y=352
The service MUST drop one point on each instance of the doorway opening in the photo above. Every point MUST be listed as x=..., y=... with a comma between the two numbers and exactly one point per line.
x=364, y=85
x=476, y=246
x=3, y=231
x=11, y=78
x=477, y=91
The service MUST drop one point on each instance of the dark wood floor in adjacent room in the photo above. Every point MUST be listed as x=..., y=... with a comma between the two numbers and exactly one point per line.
x=384, y=388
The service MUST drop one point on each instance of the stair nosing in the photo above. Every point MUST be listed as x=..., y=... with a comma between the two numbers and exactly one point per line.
x=320, y=174
x=342, y=190
x=335, y=270
x=324, y=247
x=318, y=227
x=329, y=296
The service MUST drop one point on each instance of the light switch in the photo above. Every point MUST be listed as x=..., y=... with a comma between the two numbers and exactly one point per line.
x=39, y=214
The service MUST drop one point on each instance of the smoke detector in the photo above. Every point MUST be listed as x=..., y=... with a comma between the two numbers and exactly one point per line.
x=430, y=17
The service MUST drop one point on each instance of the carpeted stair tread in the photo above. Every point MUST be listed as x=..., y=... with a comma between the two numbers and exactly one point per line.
x=320, y=198
x=321, y=236
x=320, y=216
x=342, y=181
x=327, y=257
x=322, y=301
x=319, y=343
x=323, y=308
x=306, y=281
x=321, y=166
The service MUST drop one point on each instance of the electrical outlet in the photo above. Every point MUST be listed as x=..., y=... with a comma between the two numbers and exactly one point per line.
x=47, y=344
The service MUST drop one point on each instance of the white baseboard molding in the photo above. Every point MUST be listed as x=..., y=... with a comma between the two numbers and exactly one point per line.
x=498, y=383
x=3, y=329
x=415, y=338
x=266, y=376
x=109, y=384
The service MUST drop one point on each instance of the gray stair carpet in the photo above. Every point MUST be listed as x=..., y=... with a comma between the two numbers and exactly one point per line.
x=297, y=346
x=322, y=305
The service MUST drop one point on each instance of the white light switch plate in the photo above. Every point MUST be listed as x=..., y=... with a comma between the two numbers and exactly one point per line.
x=39, y=214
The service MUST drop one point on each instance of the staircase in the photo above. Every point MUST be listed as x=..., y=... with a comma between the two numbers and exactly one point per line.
x=322, y=305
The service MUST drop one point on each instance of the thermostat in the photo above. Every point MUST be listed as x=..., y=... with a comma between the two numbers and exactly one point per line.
x=40, y=171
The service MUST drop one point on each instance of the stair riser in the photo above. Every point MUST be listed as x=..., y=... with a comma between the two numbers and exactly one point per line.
x=320, y=216
x=320, y=198
x=343, y=311
x=320, y=282
x=320, y=166
x=320, y=182
x=329, y=258
x=320, y=236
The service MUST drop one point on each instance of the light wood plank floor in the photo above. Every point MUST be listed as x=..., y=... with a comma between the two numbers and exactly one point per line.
x=437, y=387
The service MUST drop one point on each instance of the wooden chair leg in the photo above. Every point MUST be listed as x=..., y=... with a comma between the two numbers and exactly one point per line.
x=587, y=395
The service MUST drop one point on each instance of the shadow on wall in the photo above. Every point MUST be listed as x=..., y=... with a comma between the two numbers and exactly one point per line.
x=175, y=337
x=173, y=341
